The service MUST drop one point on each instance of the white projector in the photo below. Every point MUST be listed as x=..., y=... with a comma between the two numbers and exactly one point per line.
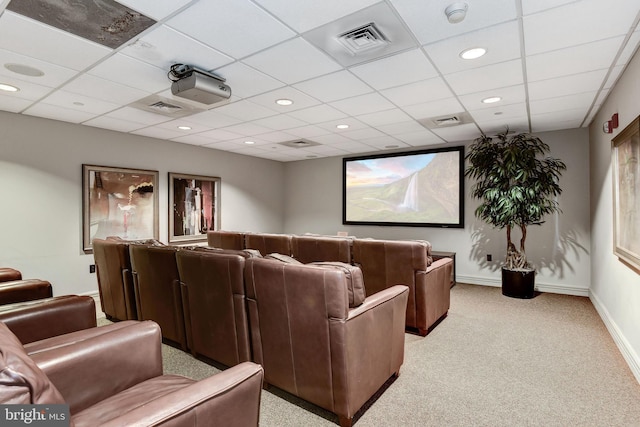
x=201, y=88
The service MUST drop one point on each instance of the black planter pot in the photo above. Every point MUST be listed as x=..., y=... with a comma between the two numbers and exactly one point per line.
x=518, y=283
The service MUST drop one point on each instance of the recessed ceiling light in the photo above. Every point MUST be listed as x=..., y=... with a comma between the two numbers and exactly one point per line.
x=473, y=53
x=25, y=70
x=249, y=142
x=184, y=127
x=342, y=126
x=8, y=88
x=491, y=100
x=284, y=101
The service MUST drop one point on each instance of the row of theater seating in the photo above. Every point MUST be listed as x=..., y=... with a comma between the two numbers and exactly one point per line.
x=311, y=327
x=51, y=352
x=14, y=289
x=383, y=263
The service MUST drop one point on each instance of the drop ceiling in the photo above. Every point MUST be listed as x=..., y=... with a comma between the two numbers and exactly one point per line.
x=551, y=62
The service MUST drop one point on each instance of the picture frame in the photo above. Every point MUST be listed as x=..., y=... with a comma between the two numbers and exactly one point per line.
x=119, y=202
x=626, y=194
x=194, y=207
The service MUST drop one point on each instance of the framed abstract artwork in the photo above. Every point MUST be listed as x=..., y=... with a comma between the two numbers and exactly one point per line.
x=118, y=202
x=626, y=194
x=194, y=207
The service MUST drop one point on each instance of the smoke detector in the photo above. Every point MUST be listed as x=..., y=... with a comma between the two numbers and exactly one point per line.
x=456, y=12
x=299, y=143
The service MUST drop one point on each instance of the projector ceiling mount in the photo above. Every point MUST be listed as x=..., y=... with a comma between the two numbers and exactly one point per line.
x=198, y=85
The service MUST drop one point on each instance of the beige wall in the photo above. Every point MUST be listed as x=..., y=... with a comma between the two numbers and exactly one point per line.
x=615, y=287
x=41, y=198
x=559, y=248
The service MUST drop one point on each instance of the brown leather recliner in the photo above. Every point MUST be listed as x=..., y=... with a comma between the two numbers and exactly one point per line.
x=213, y=296
x=308, y=249
x=115, y=283
x=112, y=376
x=7, y=274
x=225, y=239
x=24, y=290
x=312, y=344
x=157, y=289
x=385, y=263
x=269, y=243
x=40, y=319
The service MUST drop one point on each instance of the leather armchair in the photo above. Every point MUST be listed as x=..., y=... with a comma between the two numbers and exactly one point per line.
x=312, y=344
x=157, y=289
x=24, y=290
x=269, y=243
x=112, y=376
x=225, y=239
x=37, y=320
x=385, y=263
x=7, y=274
x=214, y=303
x=115, y=283
x=308, y=249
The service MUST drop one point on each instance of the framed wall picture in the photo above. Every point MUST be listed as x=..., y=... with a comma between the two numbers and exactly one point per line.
x=194, y=207
x=626, y=194
x=118, y=202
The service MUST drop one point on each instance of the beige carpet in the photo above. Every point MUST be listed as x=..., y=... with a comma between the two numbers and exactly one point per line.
x=494, y=361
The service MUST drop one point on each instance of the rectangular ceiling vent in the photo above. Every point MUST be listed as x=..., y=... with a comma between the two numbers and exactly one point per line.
x=446, y=121
x=299, y=143
x=363, y=39
x=167, y=107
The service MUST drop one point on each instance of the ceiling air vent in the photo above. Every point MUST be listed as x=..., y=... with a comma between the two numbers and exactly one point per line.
x=299, y=143
x=363, y=39
x=446, y=121
x=167, y=107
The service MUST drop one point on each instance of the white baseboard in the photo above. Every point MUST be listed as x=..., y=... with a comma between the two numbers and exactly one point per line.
x=623, y=345
x=96, y=297
x=540, y=287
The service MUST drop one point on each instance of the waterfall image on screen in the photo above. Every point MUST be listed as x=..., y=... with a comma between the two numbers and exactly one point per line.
x=409, y=189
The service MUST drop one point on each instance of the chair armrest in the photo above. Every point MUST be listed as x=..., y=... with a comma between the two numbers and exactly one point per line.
x=100, y=362
x=230, y=398
x=377, y=299
x=36, y=320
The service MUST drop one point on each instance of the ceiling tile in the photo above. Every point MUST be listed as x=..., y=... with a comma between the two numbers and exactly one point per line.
x=327, y=150
x=164, y=46
x=174, y=126
x=246, y=81
x=567, y=85
x=245, y=110
x=155, y=9
x=247, y=129
x=385, y=117
x=105, y=90
x=13, y=104
x=212, y=119
x=280, y=122
x=308, y=131
x=396, y=70
x=400, y=128
x=333, y=87
x=112, y=123
x=572, y=60
x=293, y=61
x=533, y=6
x=429, y=23
x=356, y=147
x=31, y=38
x=332, y=138
x=384, y=142
x=318, y=114
x=130, y=72
x=360, y=134
x=504, y=112
x=195, y=139
x=303, y=15
x=419, y=92
x=157, y=132
x=139, y=116
x=221, y=135
x=54, y=75
x=363, y=104
x=502, y=43
x=629, y=49
x=276, y=136
x=434, y=109
x=215, y=23
x=613, y=76
x=423, y=137
x=577, y=23
x=300, y=100
x=77, y=102
x=27, y=90
x=492, y=127
x=485, y=78
x=56, y=112
x=580, y=101
x=463, y=132
x=509, y=95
